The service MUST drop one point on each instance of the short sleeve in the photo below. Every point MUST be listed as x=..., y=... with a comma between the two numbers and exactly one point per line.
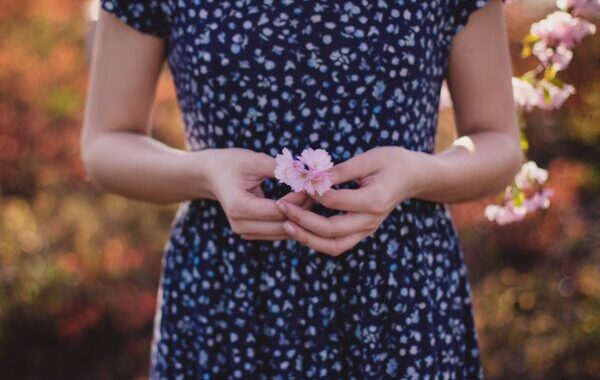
x=461, y=10
x=146, y=16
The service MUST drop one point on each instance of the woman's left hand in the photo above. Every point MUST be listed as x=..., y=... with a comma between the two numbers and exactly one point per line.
x=386, y=176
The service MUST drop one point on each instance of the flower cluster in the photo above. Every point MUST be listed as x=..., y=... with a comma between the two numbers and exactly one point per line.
x=310, y=172
x=555, y=36
x=551, y=41
x=546, y=95
x=516, y=204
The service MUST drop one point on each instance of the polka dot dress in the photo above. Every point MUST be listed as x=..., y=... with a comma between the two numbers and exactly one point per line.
x=346, y=76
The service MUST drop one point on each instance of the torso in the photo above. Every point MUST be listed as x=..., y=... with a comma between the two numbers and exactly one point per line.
x=345, y=76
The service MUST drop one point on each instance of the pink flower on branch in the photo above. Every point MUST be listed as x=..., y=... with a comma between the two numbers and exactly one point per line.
x=509, y=212
x=553, y=96
x=560, y=28
x=310, y=173
x=558, y=57
x=525, y=197
x=526, y=96
x=544, y=94
x=550, y=40
x=530, y=175
x=540, y=199
x=580, y=7
x=503, y=214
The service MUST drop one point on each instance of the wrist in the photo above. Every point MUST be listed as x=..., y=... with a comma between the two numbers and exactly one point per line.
x=199, y=164
x=426, y=171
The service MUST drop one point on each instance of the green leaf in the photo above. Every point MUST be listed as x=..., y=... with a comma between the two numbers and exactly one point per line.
x=524, y=142
x=531, y=39
x=528, y=77
x=528, y=41
x=547, y=97
x=519, y=198
x=550, y=73
x=557, y=82
x=526, y=51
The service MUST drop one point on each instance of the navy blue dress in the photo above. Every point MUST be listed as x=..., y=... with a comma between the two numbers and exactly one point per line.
x=346, y=76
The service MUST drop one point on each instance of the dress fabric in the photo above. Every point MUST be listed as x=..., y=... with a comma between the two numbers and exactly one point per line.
x=345, y=76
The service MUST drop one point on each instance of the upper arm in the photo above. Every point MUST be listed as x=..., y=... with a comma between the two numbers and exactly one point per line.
x=480, y=72
x=125, y=67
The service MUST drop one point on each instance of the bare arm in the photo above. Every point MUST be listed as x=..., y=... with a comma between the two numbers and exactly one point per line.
x=487, y=154
x=118, y=152
x=121, y=157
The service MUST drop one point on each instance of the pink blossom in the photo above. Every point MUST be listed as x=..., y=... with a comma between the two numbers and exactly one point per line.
x=503, y=214
x=311, y=173
x=318, y=181
x=580, y=7
x=526, y=96
x=561, y=57
x=556, y=95
x=290, y=171
x=558, y=56
x=540, y=199
x=509, y=212
x=543, y=94
x=560, y=28
x=316, y=159
x=285, y=162
x=529, y=174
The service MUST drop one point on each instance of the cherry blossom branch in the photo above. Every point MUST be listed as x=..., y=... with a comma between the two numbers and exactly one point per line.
x=550, y=40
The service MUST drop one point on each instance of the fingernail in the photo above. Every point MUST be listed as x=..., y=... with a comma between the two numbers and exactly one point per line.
x=280, y=206
x=289, y=228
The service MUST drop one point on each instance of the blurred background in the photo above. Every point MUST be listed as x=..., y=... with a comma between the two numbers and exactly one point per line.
x=79, y=269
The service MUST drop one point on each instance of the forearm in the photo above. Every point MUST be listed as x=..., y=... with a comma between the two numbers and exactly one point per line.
x=137, y=166
x=474, y=166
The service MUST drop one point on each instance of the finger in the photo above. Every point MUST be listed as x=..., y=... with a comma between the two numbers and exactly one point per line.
x=262, y=165
x=334, y=226
x=355, y=167
x=361, y=200
x=333, y=247
x=301, y=198
x=254, y=227
x=250, y=207
x=295, y=197
x=265, y=237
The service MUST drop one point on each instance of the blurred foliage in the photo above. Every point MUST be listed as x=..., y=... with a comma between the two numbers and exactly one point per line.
x=79, y=269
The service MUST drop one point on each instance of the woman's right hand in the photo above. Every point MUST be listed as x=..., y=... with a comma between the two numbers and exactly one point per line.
x=233, y=177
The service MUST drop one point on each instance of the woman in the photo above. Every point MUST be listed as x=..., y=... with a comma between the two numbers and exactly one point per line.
x=366, y=281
